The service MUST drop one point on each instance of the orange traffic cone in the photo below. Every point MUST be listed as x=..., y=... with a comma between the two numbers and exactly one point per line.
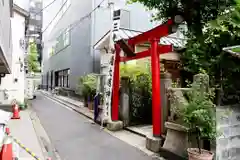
x=7, y=152
x=15, y=111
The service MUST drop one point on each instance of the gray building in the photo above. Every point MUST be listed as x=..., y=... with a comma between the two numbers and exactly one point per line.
x=6, y=12
x=68, y=51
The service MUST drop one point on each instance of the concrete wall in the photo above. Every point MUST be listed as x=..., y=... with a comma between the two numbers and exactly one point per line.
x=228, y=125
x=15, y=89
x=77, y=55
x=5, y=38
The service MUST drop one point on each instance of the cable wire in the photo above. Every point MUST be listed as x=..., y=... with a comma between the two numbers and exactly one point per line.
x=45, y=7
x=75, y=24
x=60, y=9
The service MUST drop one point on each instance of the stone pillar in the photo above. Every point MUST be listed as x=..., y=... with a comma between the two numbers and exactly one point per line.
x=202, y=79
x=124, y=111
x=166, y=82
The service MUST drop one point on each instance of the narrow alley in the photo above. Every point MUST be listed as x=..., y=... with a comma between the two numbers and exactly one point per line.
x=74, y=137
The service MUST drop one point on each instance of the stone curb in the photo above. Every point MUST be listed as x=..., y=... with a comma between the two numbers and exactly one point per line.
x=39, y=128
x=68, y=104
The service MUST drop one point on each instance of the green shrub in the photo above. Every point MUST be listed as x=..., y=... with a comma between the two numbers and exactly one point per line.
x=199, y=114
x=87, y=86
x=140, y=91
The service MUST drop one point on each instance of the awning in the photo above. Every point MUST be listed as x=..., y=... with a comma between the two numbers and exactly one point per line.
x=124, y=33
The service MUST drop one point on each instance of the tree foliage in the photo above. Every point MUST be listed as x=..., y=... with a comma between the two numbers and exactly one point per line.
x=195, y=12
x=32, y=59
x=140, y=91
x=87, y=86
x=199, y=114
x=212, y=25
x=209, y=56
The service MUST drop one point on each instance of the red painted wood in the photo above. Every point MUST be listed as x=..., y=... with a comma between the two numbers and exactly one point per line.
x=156, y=96
x=157, y=32
x=116, y=84
x=161, y=50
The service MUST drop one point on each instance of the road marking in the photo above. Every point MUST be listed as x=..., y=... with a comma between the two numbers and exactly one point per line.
x=63, y=105
x=67, y=106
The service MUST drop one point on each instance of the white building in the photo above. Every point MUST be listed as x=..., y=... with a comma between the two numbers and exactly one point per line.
x=12, y=85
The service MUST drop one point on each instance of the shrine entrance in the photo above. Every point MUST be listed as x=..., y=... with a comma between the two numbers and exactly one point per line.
x=151, y=37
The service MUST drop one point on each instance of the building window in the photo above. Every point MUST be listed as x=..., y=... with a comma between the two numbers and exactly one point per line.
x=32, y=16
x=31, y=27
x=63, y=78
x=66, y=37
x=62, y=41
x=38, y=5
x=68, y=82
x=38, y=28
x=38, y=17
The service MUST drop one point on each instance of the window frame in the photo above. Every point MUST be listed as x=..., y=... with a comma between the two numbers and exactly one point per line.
x=67, y=37
x=63, y=40
x=63, y=78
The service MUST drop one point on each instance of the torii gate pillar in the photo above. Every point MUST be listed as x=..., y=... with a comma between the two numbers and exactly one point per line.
x=156, y=97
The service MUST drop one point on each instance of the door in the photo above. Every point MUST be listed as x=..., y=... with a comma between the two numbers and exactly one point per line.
x=51, y=80
x=56, y=79
x=47, y=79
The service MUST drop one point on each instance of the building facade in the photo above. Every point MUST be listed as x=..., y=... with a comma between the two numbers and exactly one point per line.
x=69, y=40
x=5, y=37
x=12, y=85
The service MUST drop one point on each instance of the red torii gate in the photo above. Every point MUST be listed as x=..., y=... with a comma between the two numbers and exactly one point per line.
x=153, y=36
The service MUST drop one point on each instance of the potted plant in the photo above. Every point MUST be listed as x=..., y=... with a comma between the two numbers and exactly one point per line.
x=87, y=89
x=199, y=116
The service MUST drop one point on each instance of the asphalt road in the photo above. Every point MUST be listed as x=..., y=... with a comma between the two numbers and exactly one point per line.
x=75, y=138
